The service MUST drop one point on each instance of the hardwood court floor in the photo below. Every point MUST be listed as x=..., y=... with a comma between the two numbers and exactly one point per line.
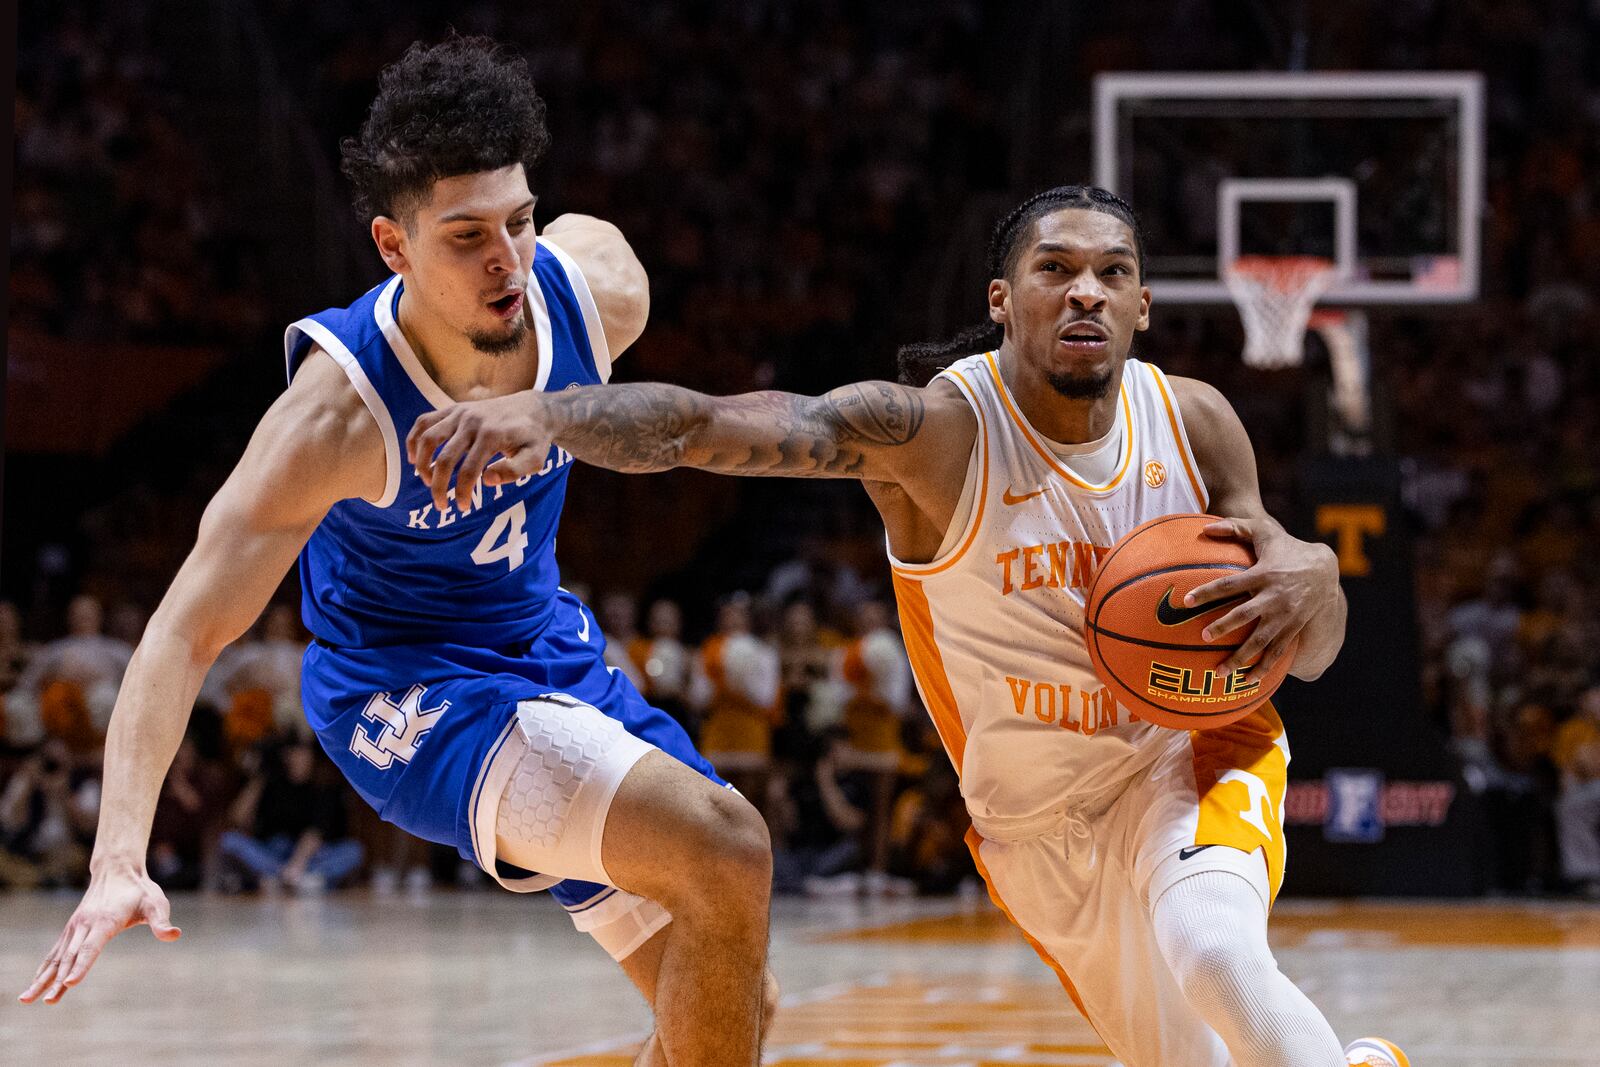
x=495, y=979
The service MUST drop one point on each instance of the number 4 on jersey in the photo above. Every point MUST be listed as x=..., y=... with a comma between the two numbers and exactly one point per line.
x=508, y=523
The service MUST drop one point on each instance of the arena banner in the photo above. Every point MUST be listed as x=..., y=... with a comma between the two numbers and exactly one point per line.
x=1374, y=805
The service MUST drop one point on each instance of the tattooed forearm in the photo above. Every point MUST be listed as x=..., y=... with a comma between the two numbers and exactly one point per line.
x=654, y=427
x=632, y=428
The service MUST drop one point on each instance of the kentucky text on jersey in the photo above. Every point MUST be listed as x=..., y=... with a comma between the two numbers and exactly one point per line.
x=426, y=518
x=397, y=571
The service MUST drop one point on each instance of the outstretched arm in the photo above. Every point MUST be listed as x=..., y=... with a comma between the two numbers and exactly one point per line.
x=1293, y=590
x=869, y=430
x=297, y=464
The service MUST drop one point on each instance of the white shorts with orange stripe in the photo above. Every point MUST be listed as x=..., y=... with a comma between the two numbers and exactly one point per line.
x=1081, y=882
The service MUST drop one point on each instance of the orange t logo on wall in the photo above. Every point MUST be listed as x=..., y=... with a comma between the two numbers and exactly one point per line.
x=1351, y=525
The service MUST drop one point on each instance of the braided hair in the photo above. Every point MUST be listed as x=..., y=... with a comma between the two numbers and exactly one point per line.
x=921, y=361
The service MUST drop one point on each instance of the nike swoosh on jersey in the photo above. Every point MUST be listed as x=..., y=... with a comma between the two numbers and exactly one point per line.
x=1008, y=499
x=1169, y=615
x=1192, y=851
x=583, y=631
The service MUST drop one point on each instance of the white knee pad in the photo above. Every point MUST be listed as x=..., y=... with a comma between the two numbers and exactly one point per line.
x=619, y=921
x=565, y=763
x=556, y=772
x=568, y=761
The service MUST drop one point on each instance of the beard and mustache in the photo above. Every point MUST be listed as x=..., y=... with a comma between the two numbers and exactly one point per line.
x=494, y=344
x=1081, y=386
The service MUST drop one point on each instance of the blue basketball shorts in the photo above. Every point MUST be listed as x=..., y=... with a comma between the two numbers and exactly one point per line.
x=422, y=731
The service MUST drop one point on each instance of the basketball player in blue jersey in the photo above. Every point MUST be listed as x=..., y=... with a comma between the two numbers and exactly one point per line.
x=1141, y=862
x=460, y=690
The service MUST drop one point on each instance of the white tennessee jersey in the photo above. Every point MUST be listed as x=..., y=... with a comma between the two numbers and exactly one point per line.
x=994, y=625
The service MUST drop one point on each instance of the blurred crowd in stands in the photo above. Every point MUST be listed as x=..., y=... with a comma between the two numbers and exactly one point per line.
x=117, y=232
x=786, y=172
x=819, y=726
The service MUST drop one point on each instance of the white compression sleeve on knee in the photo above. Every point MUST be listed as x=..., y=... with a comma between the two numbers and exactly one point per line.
x=1212, y=929
x=621, y=929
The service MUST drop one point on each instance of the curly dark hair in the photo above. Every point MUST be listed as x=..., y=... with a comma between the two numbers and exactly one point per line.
x=918, y=363
x=458, y=107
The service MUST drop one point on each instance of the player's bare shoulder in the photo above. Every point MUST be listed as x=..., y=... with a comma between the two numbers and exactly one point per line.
x=916, y=431
x=1202, y=403
x=616, y=278
x=949, y=428
x=939, y=431
x=950, y=415
x=321, y=428
x=1221, y=446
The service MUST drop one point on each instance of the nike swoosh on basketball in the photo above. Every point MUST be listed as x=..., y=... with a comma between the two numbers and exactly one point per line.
x=1169, y=615
x=1008, y=498
x=1191, y=851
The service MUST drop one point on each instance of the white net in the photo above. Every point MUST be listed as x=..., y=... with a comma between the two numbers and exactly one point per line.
x=1275, y=295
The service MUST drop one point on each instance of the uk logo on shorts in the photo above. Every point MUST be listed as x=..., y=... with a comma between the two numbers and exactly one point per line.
x=403, y=727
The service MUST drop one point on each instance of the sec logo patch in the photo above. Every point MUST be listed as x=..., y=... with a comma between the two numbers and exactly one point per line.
x=1155, y=475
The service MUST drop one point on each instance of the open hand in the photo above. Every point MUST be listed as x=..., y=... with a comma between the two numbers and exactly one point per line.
x=468, y=436
x=1291, y=583
x=112, y=904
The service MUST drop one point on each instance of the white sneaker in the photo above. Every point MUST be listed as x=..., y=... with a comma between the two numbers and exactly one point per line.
x=1374, y=1052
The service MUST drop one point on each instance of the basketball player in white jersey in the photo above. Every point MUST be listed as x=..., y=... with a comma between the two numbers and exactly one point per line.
x=1140, y=862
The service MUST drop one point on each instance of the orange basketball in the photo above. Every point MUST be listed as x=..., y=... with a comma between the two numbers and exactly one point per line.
x=1146, y=645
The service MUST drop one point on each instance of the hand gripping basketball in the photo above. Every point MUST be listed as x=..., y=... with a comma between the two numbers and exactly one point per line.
x=1176, y=663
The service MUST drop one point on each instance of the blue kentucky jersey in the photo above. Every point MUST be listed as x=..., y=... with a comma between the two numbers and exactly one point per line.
x=398, y=571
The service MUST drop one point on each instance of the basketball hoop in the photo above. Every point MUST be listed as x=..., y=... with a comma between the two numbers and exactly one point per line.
x=1275, y=295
